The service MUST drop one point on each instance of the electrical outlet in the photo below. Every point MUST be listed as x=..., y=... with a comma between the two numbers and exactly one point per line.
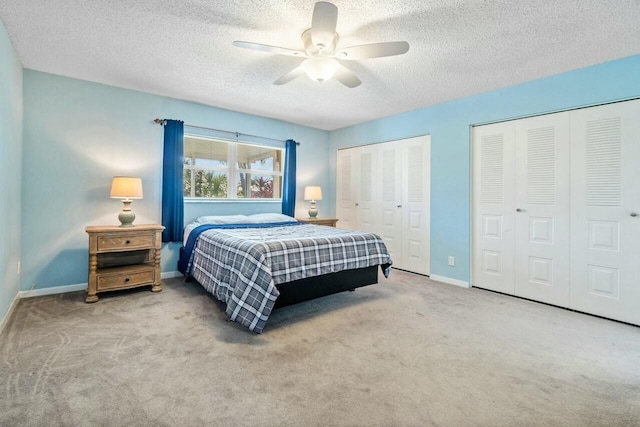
x=18, y=265
x=452, y=261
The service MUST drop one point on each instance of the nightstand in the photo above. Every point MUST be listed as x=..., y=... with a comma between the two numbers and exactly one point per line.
x=320, y=221
x=123, y=257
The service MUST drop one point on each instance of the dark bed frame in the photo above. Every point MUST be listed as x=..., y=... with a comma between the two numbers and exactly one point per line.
x=327, y=284
x=321, y=286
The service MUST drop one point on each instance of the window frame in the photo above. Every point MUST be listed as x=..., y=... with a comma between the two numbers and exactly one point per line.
x=232, y=170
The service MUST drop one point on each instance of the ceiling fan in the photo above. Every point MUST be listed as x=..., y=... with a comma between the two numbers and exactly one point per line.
x=321, y=52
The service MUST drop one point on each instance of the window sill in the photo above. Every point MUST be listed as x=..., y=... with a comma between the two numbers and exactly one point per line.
x=196, y=200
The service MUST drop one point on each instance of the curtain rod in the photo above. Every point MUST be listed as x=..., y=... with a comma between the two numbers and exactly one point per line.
x=237, y=134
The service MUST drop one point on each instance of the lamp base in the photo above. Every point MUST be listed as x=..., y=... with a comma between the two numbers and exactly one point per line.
x=313, y=212
x=127, y=216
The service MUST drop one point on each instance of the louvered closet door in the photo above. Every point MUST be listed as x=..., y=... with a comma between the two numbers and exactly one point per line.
x=542, y=201
x=416, y=166
x=494, y=207
x=605, y=211
x=391, y=203
x=346, y=190
x=367, y=211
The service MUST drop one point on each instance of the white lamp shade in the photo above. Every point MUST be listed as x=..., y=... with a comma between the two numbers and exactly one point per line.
x=320, y=69
x=312, y=193
x=126, y=187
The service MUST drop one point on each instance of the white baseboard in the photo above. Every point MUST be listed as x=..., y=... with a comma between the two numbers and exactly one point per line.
x=52, y=290
x=450, y=281
x=5, y=319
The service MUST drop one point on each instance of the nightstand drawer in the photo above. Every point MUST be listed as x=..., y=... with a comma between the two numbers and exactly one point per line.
x=125, y=280
x=125, y=243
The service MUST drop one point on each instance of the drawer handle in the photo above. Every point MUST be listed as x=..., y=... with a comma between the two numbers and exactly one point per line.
x=127, y=242
x=126, y=280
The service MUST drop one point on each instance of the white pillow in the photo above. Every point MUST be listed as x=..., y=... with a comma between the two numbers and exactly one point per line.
x=270, y=217
x=187, y=230
x=223, y=219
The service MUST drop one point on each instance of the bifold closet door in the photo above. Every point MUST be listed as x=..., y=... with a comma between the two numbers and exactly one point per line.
x=521, y=208
x=605, y=211
x=367, y=195
x=385, y=189
x=346, y=188
x=493, y=148
x=542, y=202
x=556, y=209
x=356, y=189
x=415, y=204
x=391, y=203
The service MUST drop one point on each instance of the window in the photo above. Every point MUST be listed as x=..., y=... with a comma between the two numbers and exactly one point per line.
x=217, y=169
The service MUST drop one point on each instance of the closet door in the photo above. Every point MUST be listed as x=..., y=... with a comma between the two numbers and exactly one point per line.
x=366, y=203
x=391, y=203
x=494, y=207
x=542, y=200
x=416, y=165
x=605, y=211
x=346, y=188
x=385, y=189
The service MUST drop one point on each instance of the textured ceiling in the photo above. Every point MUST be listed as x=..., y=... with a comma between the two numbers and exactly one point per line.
x=183, y=49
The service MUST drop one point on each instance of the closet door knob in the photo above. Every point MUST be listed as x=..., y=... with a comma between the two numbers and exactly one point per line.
x=519, y=210
x=633, y=214
x=399, y=206
x=357, y=204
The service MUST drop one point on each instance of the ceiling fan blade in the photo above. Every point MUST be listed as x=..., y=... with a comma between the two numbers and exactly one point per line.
x=374, y=50
x=269, y=49
x=323, y=24
x=347, y=77
x=286, y=78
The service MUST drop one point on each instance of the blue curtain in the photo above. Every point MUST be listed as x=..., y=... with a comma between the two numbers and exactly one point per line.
x=289, y=182
x=172, y=190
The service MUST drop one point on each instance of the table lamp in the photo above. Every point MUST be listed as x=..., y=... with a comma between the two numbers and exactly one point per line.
x=126, y=188
x=313, y=194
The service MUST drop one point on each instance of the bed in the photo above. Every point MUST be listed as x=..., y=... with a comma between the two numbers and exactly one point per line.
x=258, y=263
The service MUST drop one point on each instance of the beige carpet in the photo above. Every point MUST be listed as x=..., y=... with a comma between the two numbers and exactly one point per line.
x=405, y=352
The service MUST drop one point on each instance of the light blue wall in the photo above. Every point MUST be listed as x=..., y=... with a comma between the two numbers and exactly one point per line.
x=78, y=135
x=449, y=124
x=10, y=166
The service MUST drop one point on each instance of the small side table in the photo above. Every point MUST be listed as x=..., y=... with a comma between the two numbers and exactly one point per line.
x=320, y=221
x=123, y=257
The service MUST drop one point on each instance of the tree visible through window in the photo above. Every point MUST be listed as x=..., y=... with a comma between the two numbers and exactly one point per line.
x=219, y=169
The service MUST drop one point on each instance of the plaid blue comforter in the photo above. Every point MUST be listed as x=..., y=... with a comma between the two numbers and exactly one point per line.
x=241, y=266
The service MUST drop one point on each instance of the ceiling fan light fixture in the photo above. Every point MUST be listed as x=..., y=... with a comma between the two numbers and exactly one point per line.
x=320, y=69
x=322, y=53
